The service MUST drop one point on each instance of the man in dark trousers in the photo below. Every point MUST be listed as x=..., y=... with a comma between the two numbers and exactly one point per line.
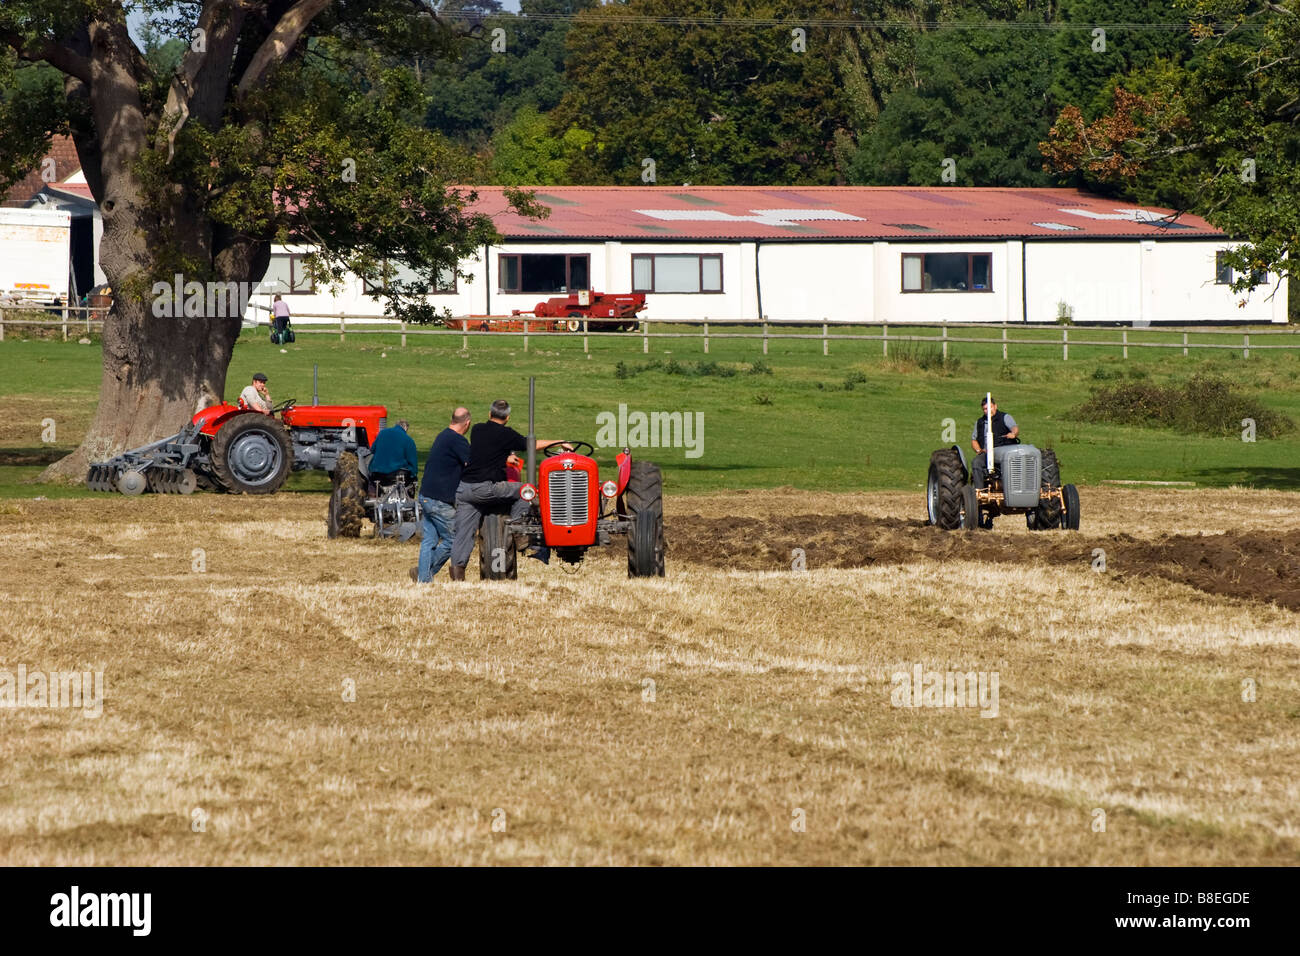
x=1005, y=431
x=447, y=460
x=392, y=453
x=483, y=486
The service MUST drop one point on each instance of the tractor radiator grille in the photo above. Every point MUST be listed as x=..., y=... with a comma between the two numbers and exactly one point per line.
x=1021, y=476
x=566, y=493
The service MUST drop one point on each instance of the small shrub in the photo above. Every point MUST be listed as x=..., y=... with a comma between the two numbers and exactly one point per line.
x=763, y=399
x=852, y=379
x=759, y=368
x=1008, y=372
x=1203, y=405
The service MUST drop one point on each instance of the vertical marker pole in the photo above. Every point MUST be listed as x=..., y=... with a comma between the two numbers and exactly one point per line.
x=532, y=435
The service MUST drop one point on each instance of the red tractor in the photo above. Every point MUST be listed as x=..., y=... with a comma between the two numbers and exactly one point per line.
x=571, y=510
x=228, y=448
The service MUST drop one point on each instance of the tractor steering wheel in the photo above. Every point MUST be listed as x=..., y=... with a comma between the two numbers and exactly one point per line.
x=550, y=451
x=284, y=406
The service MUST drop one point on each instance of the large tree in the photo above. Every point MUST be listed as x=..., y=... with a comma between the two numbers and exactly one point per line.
x=1217, y=133
x=284, y=120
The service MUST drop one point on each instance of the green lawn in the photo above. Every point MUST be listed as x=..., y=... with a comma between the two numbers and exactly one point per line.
x=849, y=420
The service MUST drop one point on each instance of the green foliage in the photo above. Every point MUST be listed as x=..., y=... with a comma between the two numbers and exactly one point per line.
x=1203, y=405
x=527, y=152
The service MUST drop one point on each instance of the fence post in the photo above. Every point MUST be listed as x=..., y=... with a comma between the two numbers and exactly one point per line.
x=1184, y=344
x=1004, y=342
x=65, y=321
x=764, y=335
x=645, y=336
x=1124, y=336
x=826, y=344
x=1245, y=346
x=403, y=333
x=525, y=335
x=2, y=325
x=88, y=315
x=464, y=339
x=706, y=335
x=1065, y=344
x=584, y=339
x=945, y=340
x=341, y=323
x=884, y=338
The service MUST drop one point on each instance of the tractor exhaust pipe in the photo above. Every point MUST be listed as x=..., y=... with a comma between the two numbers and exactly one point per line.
x=532, y=436
x=988, y=429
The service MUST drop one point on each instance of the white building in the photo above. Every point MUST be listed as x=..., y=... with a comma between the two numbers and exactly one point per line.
x=846, y=254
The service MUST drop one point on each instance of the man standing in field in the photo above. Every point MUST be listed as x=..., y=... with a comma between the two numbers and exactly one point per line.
x=1005, y=431
x=442, y=472
x=483, y=486
x=256, y=396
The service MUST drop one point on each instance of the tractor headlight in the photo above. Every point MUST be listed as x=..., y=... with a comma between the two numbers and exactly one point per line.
x=609, y=489
x=528, y=492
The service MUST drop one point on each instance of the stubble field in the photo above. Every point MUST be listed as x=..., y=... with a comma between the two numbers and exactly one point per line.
x=738, y=711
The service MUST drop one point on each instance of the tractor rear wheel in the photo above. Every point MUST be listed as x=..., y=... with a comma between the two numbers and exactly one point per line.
x=252, y=454
x=644, y=498
x=347, y=507
x=944, y=489
x=496, y=550
x=1048, y=513
x=1070, y=519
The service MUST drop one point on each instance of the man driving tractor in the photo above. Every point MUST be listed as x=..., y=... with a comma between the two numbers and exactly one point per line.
x=1005, y=432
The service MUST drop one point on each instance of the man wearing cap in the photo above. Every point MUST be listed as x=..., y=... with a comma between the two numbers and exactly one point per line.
x=1005, y=431
x=256, y=396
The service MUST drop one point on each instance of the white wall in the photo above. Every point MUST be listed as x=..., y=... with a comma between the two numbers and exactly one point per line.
x=1137, y=281
x=807, y=282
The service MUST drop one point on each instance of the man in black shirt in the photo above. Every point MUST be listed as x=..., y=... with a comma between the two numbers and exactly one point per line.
x=483, y=486
x=442, y=472
x=1005, y=432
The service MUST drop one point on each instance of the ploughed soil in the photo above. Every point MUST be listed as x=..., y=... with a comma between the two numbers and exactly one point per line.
x=1256, y=565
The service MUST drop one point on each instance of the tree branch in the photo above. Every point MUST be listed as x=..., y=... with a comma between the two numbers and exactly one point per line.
x=283, y=38
x=220, y=23
x=62, y=58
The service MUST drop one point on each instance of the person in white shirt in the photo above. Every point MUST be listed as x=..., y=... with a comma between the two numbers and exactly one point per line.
x=280, y=309
x=256, y=396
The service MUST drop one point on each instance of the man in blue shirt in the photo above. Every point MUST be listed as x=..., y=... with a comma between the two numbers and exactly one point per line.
x=447, y=460
x=394, y=451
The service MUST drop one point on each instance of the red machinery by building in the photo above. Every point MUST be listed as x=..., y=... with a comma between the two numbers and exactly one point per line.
x=576, y=312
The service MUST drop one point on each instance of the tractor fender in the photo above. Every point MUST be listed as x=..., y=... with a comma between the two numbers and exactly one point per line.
x=363, y=461
x=965, y=469
x=623, y=460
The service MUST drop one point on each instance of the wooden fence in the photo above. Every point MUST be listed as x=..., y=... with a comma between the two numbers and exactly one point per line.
x=705, y=330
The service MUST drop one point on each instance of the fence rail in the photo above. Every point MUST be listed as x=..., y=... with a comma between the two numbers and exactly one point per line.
x=766, y=331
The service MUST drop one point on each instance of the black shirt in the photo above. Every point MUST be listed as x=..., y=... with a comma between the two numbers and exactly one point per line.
x=447, y=459
x=490, y=445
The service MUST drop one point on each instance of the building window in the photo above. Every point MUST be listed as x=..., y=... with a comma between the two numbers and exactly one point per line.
x=287, y=275
x=1223, y=274
x=676, y=273
x=399, y=273
x=947, y=272
x=543, y=272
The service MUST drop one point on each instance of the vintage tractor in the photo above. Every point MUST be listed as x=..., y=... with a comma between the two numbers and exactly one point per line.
x=1024, y=481
x=392, y=506
x=571, y=510
x=228, y=448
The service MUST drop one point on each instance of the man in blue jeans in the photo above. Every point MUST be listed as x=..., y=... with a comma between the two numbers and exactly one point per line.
x=447, y=460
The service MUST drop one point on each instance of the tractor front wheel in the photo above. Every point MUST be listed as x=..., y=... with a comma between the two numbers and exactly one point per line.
x=252, y=454
x=496, y=550
x=1070, y=518
x=943, y=493
x=347, y=507
x=645, y=506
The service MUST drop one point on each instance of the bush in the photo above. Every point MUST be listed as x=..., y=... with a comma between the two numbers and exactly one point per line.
x=852, y=379
x=1204, y=405
x=763, y=399
x=759, y=368
x=906, y=356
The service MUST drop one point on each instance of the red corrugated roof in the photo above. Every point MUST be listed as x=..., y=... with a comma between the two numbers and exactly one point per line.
x=833, y=212
x=66, y=163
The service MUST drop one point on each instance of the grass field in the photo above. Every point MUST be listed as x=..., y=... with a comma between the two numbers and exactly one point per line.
x=850, y=420
x=275, y=697
x=768, y=734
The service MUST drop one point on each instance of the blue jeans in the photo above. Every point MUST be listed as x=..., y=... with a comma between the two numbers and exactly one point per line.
x=438, y=522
